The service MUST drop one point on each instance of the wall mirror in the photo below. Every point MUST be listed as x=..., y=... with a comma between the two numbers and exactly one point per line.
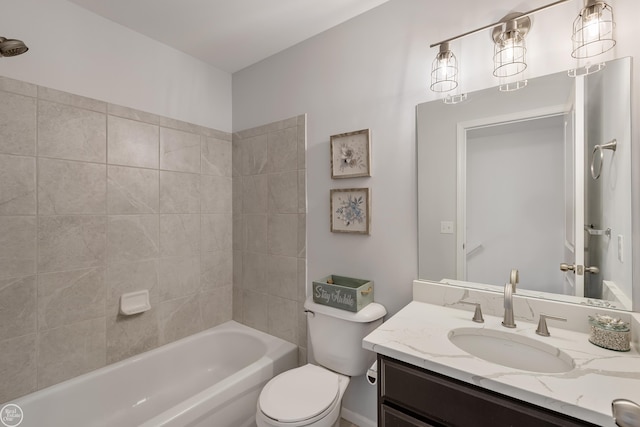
x=538, y=179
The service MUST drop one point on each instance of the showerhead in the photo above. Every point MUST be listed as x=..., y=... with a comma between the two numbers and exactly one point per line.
x=12, y=47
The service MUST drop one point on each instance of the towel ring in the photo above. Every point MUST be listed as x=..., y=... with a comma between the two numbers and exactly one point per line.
x=612, y=145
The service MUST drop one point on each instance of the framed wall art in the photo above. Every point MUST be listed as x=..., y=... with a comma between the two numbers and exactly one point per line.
x=351, y=210
x=351, y=154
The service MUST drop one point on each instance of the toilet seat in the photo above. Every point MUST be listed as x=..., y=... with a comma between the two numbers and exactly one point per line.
x=307, y=394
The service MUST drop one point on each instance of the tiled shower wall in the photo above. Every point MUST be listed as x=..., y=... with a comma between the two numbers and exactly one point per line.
x=97, y=200
x=269, y=223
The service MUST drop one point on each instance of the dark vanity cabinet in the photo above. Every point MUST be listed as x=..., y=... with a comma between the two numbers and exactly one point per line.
x=410, y=396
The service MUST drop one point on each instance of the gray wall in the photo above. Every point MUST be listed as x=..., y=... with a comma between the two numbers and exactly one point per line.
x=97, y=200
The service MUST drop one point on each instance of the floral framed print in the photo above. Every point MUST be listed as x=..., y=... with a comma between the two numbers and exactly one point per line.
x=350, y=210
x=351, y=154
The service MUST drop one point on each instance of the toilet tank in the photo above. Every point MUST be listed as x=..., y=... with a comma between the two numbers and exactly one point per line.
x=336, y=336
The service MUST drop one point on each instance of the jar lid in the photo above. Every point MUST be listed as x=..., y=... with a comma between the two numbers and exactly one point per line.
x=610, y=323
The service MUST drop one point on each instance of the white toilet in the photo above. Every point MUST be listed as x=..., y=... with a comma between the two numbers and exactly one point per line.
x=312, y=395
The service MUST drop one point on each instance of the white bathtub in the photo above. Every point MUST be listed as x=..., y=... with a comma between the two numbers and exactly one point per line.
x=210, y=379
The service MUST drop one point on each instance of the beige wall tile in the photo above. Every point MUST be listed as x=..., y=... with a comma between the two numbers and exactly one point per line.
x=283, y=150
x=283, y=192
x=302, y=235
x=17, y=307
x=283, y=319
x=179, y=192
x=133, y=114
x=254, y=272
x=179, y=151
x=132, y=238
x=237, y=304
x=302, y=279
x=70, y=296
x=216, y=269
x=17, y=246
x=71, y=242
x=131, y=277
x=216, y=157
x=179, y=235
x=238, y=232
x=179, y=318
x=69, y=351
x=70, y=99
x=282, y=234
x=18, y=87
x=302, y=325
x=237, y=268
x=255, y=233
x=236, y=198
x=216, y=306
x=17, y=124
x=282, y=276
x=132, y=190
x=217, y=233
x=133, y=143
x=66, y=187
x=84, y=140
x=236, y=157
x=17, y=367
x=178, y=277
x=255, y=310
x=302, y=357
x=131, y=335
x=17, y=185
x=254, y=155
x=216, y=194
x=254, y=194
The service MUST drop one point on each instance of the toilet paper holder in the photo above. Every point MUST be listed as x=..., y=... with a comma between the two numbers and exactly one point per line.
x=372, y=373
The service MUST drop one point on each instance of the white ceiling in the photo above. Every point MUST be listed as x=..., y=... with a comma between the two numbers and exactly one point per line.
x=229, y=34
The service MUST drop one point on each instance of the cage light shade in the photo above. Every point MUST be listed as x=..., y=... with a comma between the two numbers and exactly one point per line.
x=510, y=54
x=444, y=70
x=593, y=30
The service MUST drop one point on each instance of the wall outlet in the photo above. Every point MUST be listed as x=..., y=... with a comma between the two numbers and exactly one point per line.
x=446, y=227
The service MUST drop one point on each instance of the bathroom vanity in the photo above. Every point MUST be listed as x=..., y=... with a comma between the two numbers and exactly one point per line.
x=426, y=379
x=411, y=396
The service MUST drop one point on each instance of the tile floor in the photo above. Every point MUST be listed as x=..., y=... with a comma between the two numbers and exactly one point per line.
x=345, y=423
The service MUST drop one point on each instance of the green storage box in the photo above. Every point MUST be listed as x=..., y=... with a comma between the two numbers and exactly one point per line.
x=344, y=293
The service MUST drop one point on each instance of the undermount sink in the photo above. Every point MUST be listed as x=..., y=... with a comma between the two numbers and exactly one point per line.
x=512, y=350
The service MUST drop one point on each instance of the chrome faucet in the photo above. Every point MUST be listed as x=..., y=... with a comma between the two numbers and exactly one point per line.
x=509, y=290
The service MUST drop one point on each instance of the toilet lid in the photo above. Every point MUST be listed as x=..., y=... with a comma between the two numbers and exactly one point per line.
x=299, y=394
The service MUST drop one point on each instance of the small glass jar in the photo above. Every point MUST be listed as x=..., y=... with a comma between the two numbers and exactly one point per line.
x=609, y=333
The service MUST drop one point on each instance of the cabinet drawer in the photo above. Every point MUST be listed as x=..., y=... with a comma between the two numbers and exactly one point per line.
x=450, y=402
x=389, y=417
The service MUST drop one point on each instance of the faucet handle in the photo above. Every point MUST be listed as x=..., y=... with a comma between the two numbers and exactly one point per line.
x=542, y=324
x=477, y=315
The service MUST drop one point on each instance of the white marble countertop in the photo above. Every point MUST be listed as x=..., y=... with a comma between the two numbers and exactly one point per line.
x=418, y=334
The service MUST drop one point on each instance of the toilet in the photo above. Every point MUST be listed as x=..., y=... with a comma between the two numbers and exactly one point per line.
x=311, y=395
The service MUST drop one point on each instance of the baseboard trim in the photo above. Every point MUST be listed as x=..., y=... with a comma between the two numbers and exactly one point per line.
x=357, y=419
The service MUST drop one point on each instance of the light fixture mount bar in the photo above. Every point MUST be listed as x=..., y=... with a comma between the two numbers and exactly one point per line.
x=502, y=21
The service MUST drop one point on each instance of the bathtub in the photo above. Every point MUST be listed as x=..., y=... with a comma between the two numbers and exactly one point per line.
x=210, y=379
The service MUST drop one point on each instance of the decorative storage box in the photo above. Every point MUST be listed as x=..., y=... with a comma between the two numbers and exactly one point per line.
x=342, y=292
x=609, y=333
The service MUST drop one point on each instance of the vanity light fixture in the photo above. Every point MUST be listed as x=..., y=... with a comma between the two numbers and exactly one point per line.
x=510, y=51
x=593, y=30
x=444, y=70
x=509, y=54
